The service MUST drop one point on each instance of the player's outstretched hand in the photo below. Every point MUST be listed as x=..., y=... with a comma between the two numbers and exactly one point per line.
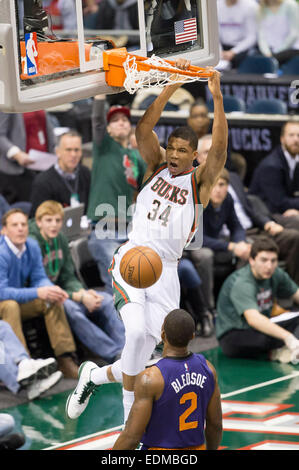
x=182, y=64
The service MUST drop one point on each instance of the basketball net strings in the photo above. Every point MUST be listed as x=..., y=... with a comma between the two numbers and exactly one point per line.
x=153, y=78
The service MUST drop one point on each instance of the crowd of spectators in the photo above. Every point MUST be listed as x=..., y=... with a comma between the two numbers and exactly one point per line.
x=266, y=27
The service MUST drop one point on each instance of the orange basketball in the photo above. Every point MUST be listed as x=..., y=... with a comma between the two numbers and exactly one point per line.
x=141, y=267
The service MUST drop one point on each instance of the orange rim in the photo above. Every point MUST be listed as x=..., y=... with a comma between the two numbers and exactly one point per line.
x=113, y=60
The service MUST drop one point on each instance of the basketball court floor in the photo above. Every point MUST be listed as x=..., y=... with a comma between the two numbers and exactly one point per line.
x=260, y=401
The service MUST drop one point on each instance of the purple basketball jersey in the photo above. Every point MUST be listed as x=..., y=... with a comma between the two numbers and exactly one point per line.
x=178, y=417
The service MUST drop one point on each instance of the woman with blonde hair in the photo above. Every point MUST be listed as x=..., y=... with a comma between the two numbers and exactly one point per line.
x=278, y=29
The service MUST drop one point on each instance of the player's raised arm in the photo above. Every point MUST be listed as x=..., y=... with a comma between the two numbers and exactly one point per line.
x=207, y=173
x=147, y=140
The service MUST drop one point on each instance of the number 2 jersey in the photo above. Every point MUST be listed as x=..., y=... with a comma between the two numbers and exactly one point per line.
x=178, y=416
x=167, y=212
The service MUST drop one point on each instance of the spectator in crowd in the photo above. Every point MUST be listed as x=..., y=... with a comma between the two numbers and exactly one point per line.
x=219, y=248
x=237, y=30
x=90, y=13
x=244, y=326
x=18, y=371
x=192, y=295
x=276, y=179
x=91, y=314
x=26, y=291
x=67, y=181
x=199, y=119
x=61, y=14
x=220, y=212
x=200, y=122
x=277, y=26
x=257, y=221
x=19, y=133
x=203, y=259
x=116, y=176
x=9, y=440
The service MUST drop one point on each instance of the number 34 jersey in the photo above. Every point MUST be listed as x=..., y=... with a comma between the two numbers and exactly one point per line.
x=167, y=212
x=178, y=416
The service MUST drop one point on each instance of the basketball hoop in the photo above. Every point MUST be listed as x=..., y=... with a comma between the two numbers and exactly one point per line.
x=134, y=72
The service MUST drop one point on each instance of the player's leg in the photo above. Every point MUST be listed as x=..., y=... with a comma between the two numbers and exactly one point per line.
x=131, y=363
x=132, y=358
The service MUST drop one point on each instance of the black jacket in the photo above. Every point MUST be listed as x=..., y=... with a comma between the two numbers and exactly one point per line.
x=257, y=218
x=272, y=183
x=49, y=185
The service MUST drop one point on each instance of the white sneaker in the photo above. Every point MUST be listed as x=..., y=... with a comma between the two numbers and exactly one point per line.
x=31, y=369
x=78, y=400
x=40, y=386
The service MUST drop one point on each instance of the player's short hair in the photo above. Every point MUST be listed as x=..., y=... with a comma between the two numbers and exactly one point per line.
x=185, y=133
x=49, y=208
x=15, y=210
x=263, y=243
x=179, y=328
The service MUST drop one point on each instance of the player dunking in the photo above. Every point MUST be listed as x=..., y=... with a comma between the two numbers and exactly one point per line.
x=182, y=382
x=172, y=188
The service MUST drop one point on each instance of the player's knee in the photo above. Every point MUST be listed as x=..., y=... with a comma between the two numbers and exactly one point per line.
x=136, y=337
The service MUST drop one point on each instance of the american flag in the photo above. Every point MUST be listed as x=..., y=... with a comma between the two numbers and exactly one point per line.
x=185, y=30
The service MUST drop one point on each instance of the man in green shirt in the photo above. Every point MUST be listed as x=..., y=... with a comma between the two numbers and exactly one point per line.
x=116, y=176
x=246, y=325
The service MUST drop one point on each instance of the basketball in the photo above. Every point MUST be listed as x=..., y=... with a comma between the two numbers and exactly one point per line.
x=141, y=267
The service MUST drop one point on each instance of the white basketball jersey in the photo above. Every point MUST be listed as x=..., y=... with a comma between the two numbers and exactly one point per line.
x=166, y=212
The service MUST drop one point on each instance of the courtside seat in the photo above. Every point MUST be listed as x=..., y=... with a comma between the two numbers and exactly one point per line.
x=258, y=64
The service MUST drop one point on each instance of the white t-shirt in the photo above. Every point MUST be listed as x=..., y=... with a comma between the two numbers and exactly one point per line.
x=279, y=31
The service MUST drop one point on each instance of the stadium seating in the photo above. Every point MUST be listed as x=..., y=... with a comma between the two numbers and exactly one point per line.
x=291, y=67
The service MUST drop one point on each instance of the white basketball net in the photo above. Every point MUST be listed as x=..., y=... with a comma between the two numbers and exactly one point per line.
x=136, y=79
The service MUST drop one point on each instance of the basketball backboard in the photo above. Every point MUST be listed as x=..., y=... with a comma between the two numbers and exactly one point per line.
x=40, y=69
